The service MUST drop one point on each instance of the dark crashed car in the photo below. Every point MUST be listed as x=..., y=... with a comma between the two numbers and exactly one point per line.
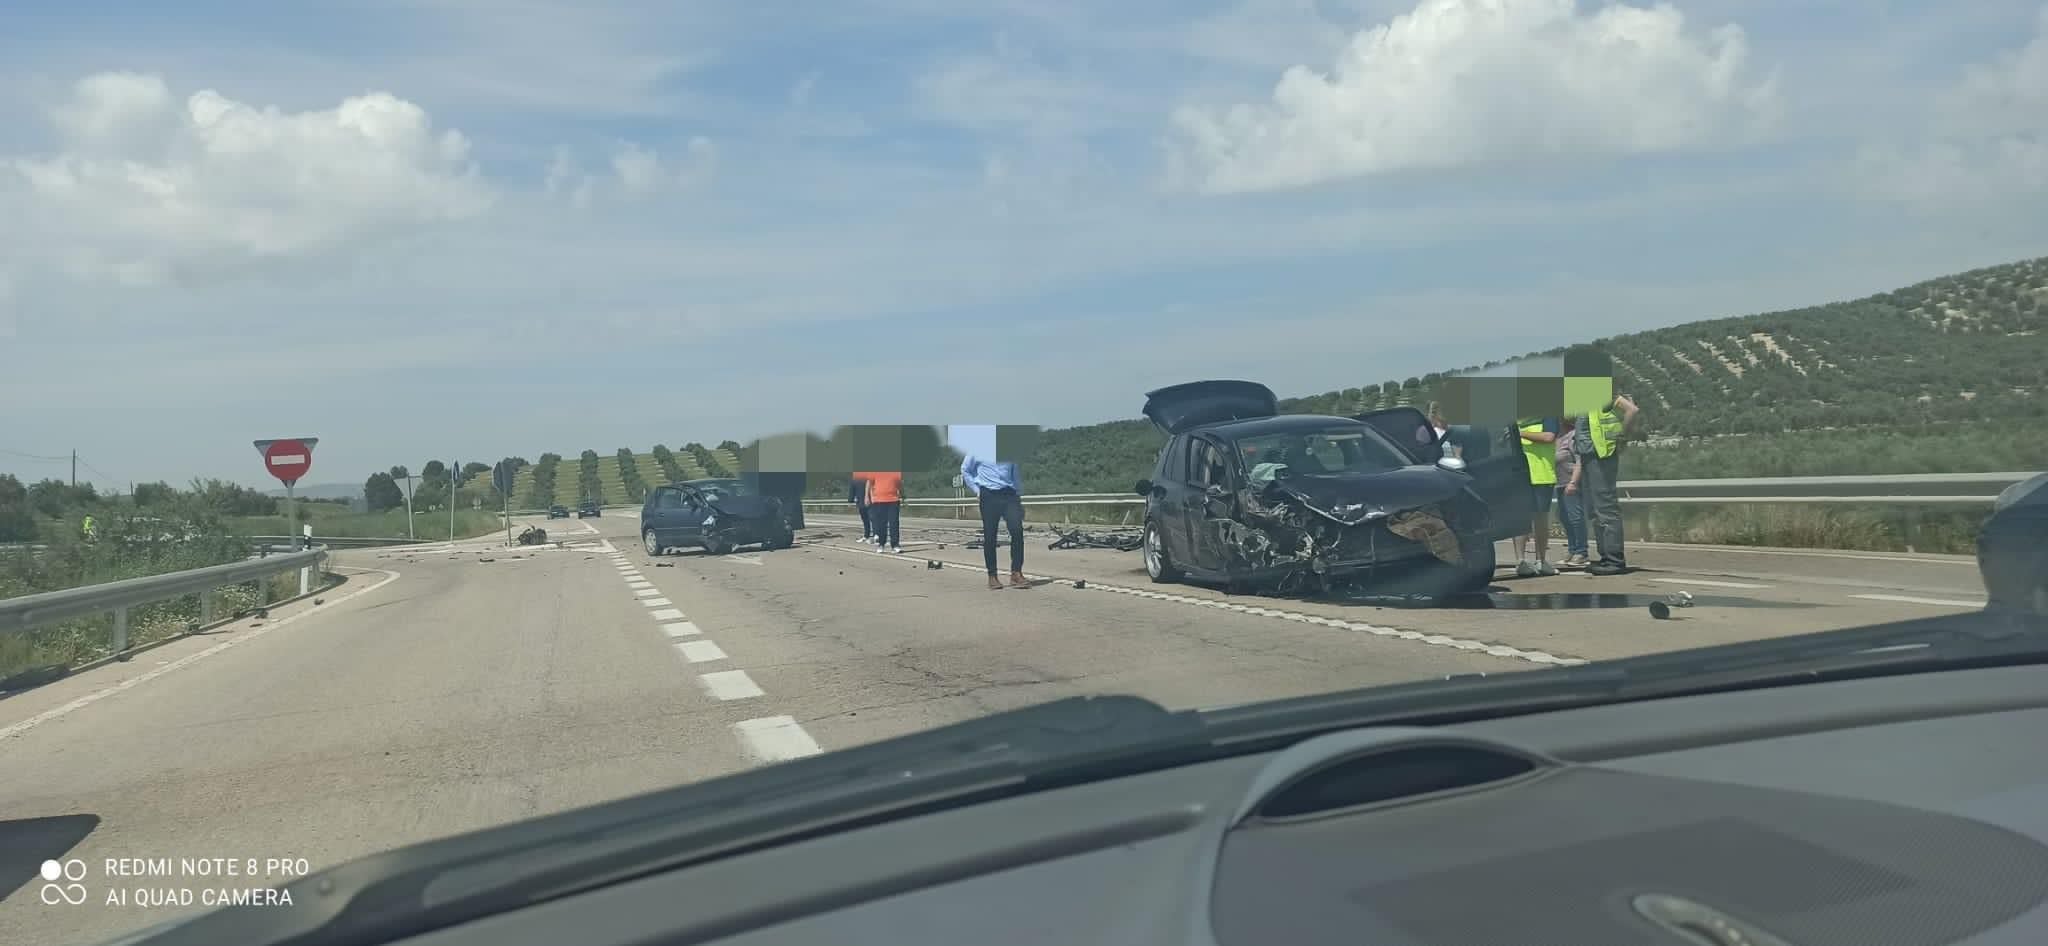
x=716, y=515
x=1251, y=498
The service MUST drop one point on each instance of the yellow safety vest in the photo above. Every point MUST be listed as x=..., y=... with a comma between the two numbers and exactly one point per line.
x=1542, y=457
x=1605, y=430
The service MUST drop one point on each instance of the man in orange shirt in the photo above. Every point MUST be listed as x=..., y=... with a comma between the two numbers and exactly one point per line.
x=885, y=508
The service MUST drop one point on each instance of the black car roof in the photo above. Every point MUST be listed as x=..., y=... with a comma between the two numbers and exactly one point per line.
x=1283, y=423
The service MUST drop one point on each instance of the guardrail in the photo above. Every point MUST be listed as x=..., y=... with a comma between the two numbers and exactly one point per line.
x=32, y=611
x=336, y=541
x=1881, y=489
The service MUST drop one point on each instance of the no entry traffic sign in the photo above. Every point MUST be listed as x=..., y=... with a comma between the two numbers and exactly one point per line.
x=287, y=459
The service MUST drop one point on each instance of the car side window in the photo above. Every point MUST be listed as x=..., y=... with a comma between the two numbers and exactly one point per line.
x=669, y=499
x=1208, y=466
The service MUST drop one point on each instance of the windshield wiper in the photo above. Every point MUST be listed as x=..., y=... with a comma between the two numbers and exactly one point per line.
x=428, y=886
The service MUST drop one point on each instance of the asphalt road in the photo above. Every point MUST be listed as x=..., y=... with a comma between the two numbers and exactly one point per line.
x=445, y=688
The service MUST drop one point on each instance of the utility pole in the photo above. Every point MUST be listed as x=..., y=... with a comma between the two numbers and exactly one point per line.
x=453, y=471
x=74, y=469
x=408, y=508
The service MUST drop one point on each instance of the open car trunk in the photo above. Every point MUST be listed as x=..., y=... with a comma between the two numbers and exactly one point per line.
x=1182, y=407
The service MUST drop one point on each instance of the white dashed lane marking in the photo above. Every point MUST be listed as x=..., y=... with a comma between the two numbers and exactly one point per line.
x=775, y=739
x=681, y=629
x=730, y=685
x=698, y=652
x=667, y=614
x=1710, y=584
x=656, y=602
x=639, y=583
x=646, y=593
x=743, y=559
x=1934, y=602
x=1439, y=640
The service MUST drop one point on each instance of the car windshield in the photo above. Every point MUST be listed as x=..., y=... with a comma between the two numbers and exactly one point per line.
x=1349, y=449
x=422, y=416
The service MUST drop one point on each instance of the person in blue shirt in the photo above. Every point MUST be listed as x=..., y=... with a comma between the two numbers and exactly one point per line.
x=995, y=484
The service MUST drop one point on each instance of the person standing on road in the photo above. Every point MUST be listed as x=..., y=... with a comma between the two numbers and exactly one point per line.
x=857, y=494
x=995, y=485
x=1570, y=510
x=1598, y=439
x=1539, y=446
x=885, y=509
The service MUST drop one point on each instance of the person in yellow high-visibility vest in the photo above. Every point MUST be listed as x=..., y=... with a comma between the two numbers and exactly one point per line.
x=1539, y=447
x=1598, y=439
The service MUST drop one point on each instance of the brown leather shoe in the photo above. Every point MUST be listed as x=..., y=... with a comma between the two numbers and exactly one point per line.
x=1017, y=580
x=994, y=583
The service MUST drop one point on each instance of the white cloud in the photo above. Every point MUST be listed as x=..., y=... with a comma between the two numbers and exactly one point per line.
x=143, y=190
x=1466, y=82
x=1986, y=148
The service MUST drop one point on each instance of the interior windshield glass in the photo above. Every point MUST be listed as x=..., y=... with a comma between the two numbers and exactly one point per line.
x=1311, y=452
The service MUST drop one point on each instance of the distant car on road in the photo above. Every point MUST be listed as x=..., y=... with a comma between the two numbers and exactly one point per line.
x=717, y=515
x=588, y=509
x=558, y=512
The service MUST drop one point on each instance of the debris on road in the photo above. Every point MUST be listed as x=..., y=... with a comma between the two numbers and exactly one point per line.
x=1080, y=583
x=1121, y=541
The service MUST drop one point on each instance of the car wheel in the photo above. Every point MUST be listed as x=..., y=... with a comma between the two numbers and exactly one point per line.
x=783, y=541
x=653, y=546
x=1477, y=575
x=716, y=547
x=1158, y=566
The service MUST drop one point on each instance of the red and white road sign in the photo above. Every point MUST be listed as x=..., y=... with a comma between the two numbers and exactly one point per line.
x=289, y=459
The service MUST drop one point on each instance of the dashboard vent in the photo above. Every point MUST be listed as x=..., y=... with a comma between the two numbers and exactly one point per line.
x=1392, y=774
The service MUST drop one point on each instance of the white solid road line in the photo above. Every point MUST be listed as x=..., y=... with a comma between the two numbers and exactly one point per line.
x=1714, y=584
x=698, y=652
x=744, y=559
x=185, y=661
x=667, y=614
x=656, y=602
x=646, y=593
x=775, y=739
x=730, y=685
x=1936, y=602
x=1857, y=556
x=681, y=629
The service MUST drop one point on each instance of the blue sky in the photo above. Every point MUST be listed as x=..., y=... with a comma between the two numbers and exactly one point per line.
x=463, y=228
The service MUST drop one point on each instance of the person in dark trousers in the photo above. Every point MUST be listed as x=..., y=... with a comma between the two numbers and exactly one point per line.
x=885, y=508
x=857, y=494
x=1599, y=438
x=995, y=484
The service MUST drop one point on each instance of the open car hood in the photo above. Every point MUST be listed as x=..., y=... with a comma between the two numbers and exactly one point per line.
x=1352, y=498
x=1185, y=406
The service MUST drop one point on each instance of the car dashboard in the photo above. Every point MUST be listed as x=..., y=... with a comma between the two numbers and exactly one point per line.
x=1890, y=811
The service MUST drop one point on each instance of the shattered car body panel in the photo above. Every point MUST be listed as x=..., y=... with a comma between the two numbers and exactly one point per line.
x=1298, y=500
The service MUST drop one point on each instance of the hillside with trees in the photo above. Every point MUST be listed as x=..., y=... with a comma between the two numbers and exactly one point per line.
x=1946, y=375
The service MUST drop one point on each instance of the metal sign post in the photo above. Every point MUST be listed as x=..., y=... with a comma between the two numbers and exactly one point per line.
x=501, y=477
x=452, y=472
x=289, y=460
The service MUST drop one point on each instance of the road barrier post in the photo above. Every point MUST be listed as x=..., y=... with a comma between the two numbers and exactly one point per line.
x=120, y=630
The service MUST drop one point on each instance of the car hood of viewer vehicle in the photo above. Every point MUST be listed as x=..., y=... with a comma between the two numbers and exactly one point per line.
x=1352, y=498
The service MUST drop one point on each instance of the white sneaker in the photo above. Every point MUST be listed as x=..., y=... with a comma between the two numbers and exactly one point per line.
x=1525, y=569
x=896, y=549
x=1545, y=569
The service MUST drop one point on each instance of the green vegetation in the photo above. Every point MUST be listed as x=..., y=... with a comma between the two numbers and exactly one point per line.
x=389, y=524
x=589, y=486
x=1948, y=375
x=629, y=476
x=540, y=488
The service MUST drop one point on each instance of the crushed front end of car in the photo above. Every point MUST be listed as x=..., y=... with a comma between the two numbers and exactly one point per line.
x=747, y=520
x=1302, y=532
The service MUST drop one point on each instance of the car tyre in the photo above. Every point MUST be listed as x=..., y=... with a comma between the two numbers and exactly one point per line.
x=1158, y=565
x=783, y=541
x=1477, y=574
x=716, y=547
x=653, y=546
